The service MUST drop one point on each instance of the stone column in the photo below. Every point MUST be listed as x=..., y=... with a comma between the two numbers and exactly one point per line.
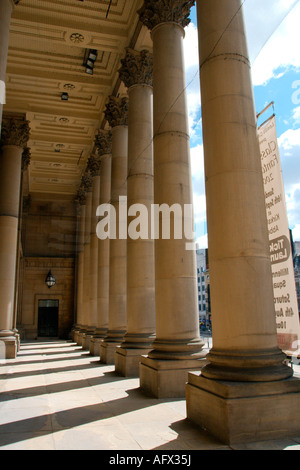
x=6, y=8
x=14, y=137
x=177, y=348
x=117, y=116
x=136, y=73
x=244, y=393
x=87, y=186
x=26, y=157
x=94, y=169
x=81, y=201
x=104, y=147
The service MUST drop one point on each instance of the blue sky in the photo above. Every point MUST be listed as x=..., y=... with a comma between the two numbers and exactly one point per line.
x=273, y=32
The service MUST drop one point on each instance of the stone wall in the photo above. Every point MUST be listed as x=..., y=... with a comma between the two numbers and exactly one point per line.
x=33, y=289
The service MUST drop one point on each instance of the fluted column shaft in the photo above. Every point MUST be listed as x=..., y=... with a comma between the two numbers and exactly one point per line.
x=177, y=345
x=117, y=257
x=140, y=252
x=15, y=134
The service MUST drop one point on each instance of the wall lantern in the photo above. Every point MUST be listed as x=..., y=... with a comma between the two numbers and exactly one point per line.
x=50, y=280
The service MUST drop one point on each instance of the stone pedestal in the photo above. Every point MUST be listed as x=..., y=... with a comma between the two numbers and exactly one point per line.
x=245, y=392
x=244, y=412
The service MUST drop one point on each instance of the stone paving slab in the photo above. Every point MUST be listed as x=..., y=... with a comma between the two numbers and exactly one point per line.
x=55, y=396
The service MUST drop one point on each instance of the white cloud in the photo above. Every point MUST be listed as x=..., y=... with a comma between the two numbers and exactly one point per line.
x=192, y=79
x=296, y=233
x=275, y=46
x=273, y=43
x=289, y=147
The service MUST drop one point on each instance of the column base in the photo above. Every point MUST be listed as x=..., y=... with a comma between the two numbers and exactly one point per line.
x=127, y=361
x=240, y=412
x=107, y=352
x=167, y=378
x=81, y=336
x=95, y=345
x=76, y=335
x=86, y=339
x=8, y=347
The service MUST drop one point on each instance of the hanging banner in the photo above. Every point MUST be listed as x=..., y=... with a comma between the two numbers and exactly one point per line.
x=285, y=297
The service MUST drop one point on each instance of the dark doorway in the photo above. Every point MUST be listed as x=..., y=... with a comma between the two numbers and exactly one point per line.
x=48, y=318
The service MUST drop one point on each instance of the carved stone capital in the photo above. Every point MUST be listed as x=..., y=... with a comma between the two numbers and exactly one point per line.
x=136, y=68
x=26, y=203
x=116, y=111
x=103, y=142
x=80, y=197
x=26, y=157
x=87, y=181
x=155, y=12
x=94, y=165
x=15, y=132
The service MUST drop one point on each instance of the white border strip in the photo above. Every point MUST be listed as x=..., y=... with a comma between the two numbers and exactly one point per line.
x=2, y=92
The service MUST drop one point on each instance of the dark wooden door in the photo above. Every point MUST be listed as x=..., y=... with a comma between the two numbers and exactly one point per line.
x=48, y=319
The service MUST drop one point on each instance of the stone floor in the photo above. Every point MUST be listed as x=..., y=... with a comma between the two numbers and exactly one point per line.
x=55, y=396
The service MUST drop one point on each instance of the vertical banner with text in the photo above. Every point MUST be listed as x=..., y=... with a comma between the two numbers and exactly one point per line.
x=285, y=297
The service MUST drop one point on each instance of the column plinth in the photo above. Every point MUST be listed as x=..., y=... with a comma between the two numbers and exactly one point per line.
x=245, y=392
x=177, y=348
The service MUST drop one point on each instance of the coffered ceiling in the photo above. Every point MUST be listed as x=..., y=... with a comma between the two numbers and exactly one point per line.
x=48, y=43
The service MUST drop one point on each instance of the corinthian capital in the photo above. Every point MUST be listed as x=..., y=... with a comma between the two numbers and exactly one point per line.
x=15, y=132
x=87, y=181
x=136, y=68
x=103, y=142
x=80, y=197
x=26, y=157
x=116, y=111
x=154, y=12
x=94, y=165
